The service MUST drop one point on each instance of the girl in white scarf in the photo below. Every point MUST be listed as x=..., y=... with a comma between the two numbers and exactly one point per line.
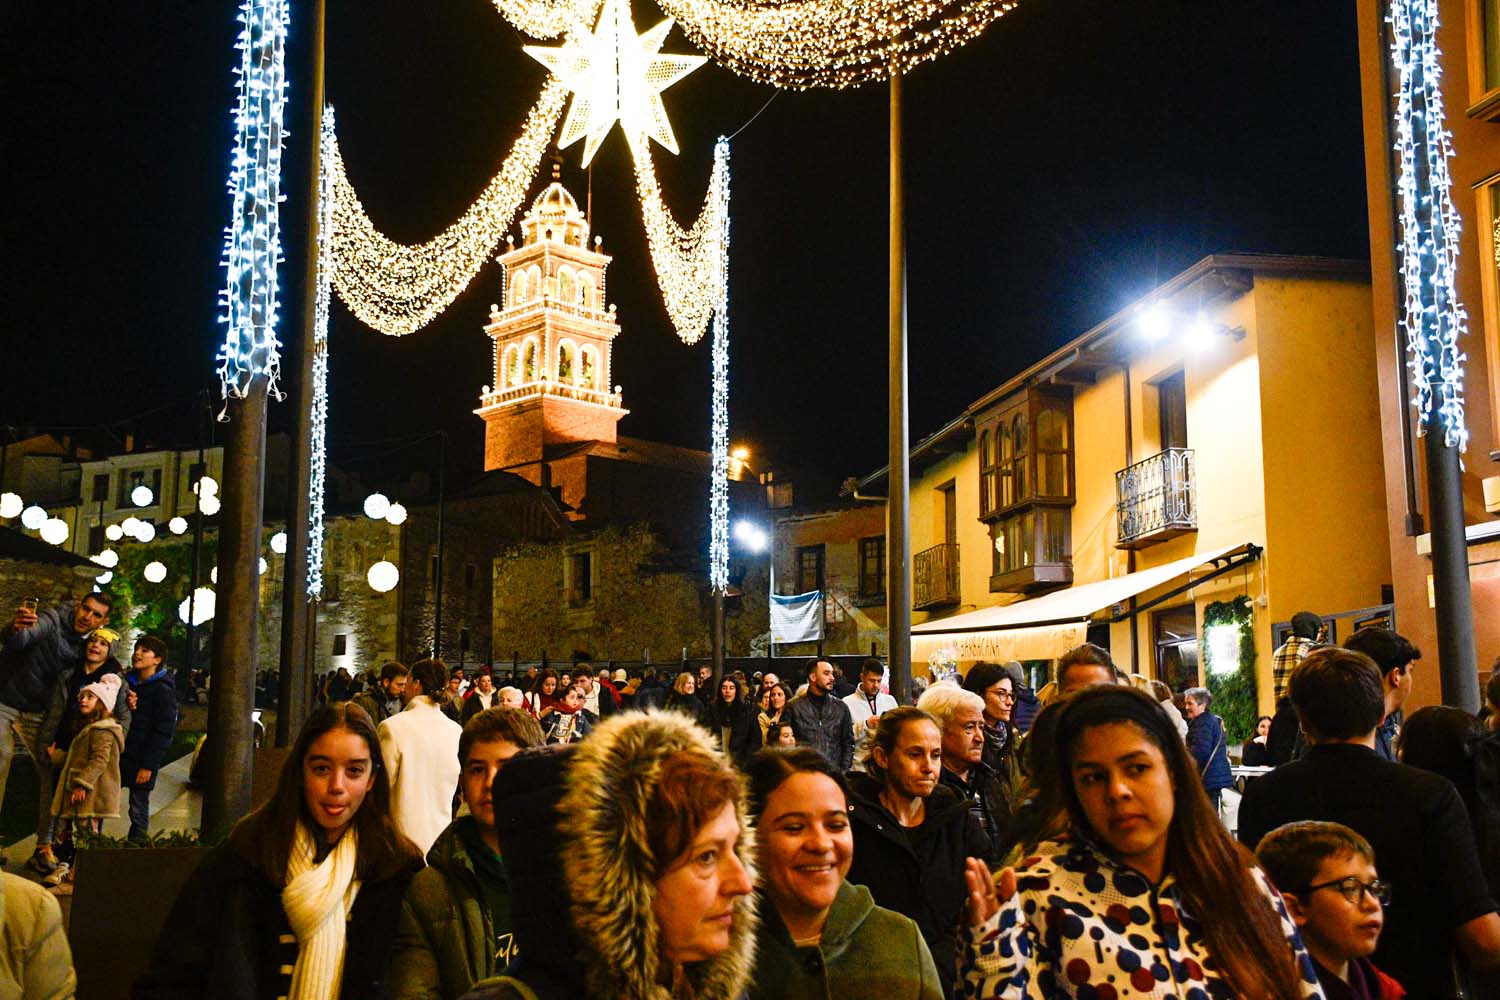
x=321, y=860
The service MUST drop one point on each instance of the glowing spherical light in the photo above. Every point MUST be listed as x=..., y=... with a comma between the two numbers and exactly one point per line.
x=261, y=566
x=202, y=606
x=131, y=525
x=208, y=505
x=396, y=514
x=154, y=572
x=54, y=530
x=109, y=558
x=213, y=574
x=206, y=487
x=177, y=526
x=10, y=504
x=278, y=543
x=377, y=505
x=145, y=531
x=114, y=532
x=142, y=496
x=103, y=578
x=1154, y=322
x=383, y=577
x=751, y=535
x=33, y=517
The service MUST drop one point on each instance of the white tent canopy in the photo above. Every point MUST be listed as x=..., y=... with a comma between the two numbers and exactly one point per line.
x=1045, y=627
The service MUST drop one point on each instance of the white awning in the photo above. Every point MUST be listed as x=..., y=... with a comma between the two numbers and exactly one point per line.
x=1045, y=627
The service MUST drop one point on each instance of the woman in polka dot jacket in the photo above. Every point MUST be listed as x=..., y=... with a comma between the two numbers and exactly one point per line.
x=1148, y=895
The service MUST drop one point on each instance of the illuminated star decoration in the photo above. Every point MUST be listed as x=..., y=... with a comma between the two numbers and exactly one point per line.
x=615, y=75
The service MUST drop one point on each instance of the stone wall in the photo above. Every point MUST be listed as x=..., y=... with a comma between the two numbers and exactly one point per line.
x=49, y=584
x=646, y=602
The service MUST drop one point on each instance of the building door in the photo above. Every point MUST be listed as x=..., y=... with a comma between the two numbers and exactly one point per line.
x=1172, y=405
x=1176, y=634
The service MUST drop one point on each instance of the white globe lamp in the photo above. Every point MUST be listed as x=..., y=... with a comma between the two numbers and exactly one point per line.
x=109, y=558
x=33, y=517
x=142, y=496
x=54, y=531
x=103, y=578
x=383, y=577
x=278, y=543
x=202, y=606
x=377, y=505
x=114, y=532
x=177, y=526
x=396, y=514
x=154, y=572
x=10, y=505
x=145, y=531
x=208, y=505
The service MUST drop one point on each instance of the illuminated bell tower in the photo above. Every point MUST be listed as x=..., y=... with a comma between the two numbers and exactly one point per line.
x=552, y=339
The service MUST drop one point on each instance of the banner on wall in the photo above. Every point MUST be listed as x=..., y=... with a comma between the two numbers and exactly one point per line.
x=797, y=617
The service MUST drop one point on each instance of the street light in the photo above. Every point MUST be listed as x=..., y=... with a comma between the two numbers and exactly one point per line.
x=752, y=536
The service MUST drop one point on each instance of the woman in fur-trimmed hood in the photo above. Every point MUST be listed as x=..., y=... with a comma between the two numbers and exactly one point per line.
x=631, y=867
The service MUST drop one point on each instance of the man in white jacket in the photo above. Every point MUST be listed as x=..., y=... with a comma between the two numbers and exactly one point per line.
x=420, y=747
x=868, y=703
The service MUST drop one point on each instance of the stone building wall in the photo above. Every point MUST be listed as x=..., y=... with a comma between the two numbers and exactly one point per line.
x=646, y=602
x=49, y=584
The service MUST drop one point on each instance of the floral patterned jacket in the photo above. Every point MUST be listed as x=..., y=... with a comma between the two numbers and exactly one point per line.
x=1084, y=925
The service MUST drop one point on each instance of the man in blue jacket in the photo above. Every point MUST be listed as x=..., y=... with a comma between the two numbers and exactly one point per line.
x=42, y=652
x=153, y=699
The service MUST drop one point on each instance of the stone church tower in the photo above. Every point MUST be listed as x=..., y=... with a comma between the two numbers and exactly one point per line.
x=552, y=336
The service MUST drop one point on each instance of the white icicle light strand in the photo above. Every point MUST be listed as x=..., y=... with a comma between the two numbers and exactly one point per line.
x=1434, y=318
x=317, y=476
x=718, y=491
x=252, y=245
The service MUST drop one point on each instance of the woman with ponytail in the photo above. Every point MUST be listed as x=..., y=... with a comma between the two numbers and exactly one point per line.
x=1146, y=895
x=302, y=901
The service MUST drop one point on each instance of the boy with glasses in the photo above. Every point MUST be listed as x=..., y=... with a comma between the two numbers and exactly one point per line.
x=1326, y=874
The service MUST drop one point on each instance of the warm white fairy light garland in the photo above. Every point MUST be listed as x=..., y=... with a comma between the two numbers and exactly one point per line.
x=397, y=289
x=252, y=245
x=1434, y=318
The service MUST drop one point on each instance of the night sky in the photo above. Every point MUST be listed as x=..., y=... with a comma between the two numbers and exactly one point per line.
x=1076, y=154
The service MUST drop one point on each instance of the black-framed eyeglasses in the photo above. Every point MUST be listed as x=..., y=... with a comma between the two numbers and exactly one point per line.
x=1004, y=693
x=1353, y=889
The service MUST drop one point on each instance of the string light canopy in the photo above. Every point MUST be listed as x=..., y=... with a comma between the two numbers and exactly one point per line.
x=252, y=245
x=1434, y=318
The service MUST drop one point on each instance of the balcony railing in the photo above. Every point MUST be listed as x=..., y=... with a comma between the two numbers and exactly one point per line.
x=1156, y=499
x=935, y=577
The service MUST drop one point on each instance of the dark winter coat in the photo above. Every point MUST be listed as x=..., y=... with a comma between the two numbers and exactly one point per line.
x=153, y=726
x=230, y=938
x=572, y=825
x=917, y=872
x=1209, y=745
x=446, y=939
x=866, y=951
x=63, y=721
x=987, y=803
x=739, y=717
x=35, y=660
x=686, y=704
x=1286, y=728
x=828, y=730
x=374, y=703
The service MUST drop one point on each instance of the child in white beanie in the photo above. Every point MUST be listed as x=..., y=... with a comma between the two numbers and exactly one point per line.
x=88, y=786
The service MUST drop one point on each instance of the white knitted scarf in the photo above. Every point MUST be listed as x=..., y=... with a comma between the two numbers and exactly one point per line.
x=317, y=900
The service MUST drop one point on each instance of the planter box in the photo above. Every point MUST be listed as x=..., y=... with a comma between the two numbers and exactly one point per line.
x=121, y=899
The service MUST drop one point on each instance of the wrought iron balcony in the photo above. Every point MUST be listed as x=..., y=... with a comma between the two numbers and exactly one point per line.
x=1156, y=499
x=935, y=577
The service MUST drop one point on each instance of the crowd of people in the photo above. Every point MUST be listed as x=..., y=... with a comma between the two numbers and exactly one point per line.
x=587, y=834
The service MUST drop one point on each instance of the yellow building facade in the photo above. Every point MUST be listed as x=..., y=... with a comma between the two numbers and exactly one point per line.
x=1220, y=437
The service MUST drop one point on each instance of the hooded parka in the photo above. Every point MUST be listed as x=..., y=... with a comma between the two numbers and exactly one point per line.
x=573, y=831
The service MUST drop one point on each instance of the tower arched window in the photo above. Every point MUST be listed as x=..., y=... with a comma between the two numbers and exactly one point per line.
x=518, y=288
x=510, y=370
x=1020, y=437
x=528, y=360
x=567, y=285
x=566, y=352
x=1052, y=446
x=588, y=368
x=988, y=476
x=533, y=283
x=1004, y=456
x=585, y=290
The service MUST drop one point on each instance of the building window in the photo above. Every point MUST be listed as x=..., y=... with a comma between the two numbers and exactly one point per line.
x=1004, y=456
x=1484, y=59
x=463, y=640
x=809, y=568
x=871, y=566
x=1019, y=453
x=1176, y=634
x=989, y=474
x=567, y=288
x=1171, y=404
x=330, y=587
x=1052, y=447
x=580, y=579
x=341, y=645
x=101, y=488
x=471, y=575
x=565, y=352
